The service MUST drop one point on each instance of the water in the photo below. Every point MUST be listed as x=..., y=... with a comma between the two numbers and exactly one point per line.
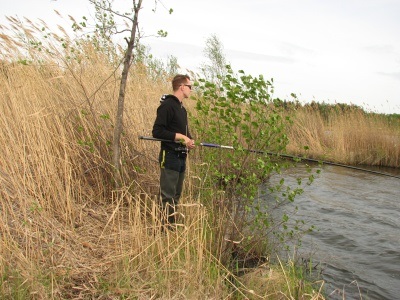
x=357, y=241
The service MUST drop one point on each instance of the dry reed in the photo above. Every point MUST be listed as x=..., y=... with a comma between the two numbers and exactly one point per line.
x=350, y=137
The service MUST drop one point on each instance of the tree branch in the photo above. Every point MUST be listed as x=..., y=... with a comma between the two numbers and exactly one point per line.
x=112, y=11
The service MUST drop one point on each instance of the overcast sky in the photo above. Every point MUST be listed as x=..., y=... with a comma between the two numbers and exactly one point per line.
x=345, y=51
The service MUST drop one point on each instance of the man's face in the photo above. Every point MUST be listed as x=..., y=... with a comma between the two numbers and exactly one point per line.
x=187, y=89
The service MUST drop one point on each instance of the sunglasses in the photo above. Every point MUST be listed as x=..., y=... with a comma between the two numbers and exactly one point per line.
x=188, y=85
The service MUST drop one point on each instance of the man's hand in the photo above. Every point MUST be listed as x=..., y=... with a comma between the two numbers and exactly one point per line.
x=188, y=142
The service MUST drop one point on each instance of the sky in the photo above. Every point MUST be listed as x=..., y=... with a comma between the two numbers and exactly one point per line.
x=337, y=51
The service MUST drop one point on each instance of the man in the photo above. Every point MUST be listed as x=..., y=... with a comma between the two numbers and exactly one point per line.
x=172, y=124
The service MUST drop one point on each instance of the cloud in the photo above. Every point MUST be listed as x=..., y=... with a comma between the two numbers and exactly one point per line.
x=184, y=50
x=394, y=75
x=380, y=49
x=293, y=50
x=259, y=56
x=164, y=47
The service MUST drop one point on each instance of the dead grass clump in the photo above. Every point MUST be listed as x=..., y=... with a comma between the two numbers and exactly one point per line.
x=266, y=282
x=307, y=131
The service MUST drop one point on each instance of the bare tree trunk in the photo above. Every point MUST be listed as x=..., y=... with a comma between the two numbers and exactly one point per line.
x=121, y=98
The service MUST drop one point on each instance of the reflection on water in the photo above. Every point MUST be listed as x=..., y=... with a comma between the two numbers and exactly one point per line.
x=357, y=240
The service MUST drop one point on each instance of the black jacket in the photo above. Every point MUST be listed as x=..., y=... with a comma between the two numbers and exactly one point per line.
x=171, y=118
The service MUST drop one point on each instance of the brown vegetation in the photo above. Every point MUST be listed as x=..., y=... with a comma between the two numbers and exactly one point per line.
x=350, y=137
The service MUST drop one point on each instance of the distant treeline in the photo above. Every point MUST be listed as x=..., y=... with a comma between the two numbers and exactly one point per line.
x=326, y=109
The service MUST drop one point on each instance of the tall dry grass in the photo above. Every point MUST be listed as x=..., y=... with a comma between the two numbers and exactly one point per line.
x=350, y=137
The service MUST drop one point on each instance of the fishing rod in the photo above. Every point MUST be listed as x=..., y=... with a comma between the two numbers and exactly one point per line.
x=276, y=154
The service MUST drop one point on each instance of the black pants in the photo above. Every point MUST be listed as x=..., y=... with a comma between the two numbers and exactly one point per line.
x=173, y=167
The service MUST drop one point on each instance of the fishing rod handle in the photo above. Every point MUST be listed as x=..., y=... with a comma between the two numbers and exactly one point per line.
x=210, y=145
x=149, y=138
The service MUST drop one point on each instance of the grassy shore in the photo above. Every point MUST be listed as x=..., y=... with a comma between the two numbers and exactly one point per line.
x=67, y=233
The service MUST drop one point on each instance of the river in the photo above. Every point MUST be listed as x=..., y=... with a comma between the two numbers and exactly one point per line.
x=356, y=243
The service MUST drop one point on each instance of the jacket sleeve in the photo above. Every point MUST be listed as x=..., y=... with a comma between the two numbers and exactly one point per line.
x=164, y=115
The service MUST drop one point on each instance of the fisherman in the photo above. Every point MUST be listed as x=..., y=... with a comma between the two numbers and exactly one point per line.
x=172, y=124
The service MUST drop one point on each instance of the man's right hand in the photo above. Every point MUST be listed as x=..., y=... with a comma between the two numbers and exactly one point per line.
x=188, y=142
